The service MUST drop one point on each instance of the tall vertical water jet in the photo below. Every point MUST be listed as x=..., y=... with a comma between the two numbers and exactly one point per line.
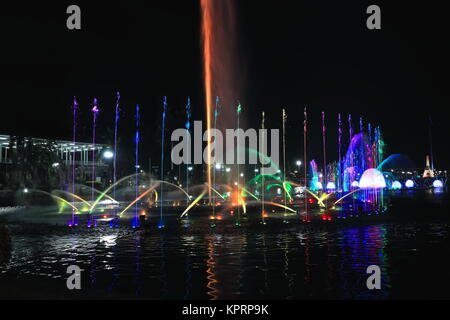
x=136, y=144
x=284, y=118
x=238, y=221
x=324, y=144
x=74, y=135
x=116, y=124
x=161, y=221
x=216, y=113
x=339, y=179
x=95, y=112
x=219, y=64
x=305, y=131
x=263, y=214
x=188, y=127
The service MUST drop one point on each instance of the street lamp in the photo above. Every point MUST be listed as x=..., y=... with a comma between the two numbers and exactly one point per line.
x=108, y=154
x=298, y=163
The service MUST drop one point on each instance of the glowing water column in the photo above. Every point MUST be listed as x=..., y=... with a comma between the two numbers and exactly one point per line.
x=116, y=124
x=95, y=112
x=75, y=109
x=188, y=127
x=161, y=221
x=135, y=223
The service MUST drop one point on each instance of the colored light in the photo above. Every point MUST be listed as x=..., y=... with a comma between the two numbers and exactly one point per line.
x=355, y=184
x=331, y=186
x=396, y=185
x=409, y=184
x=319, y=185
x=372, y=178
x=438, y=184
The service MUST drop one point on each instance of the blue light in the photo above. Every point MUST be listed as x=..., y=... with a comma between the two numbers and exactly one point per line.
x=396, y=185
x=438, y=184
x=409, y=183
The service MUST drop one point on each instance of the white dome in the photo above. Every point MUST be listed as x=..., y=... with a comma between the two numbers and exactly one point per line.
x=372, y=178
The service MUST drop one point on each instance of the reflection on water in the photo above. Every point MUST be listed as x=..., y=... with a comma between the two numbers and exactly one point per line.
x=305, y=262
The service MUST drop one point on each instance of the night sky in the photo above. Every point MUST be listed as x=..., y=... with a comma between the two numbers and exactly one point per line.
x=292, y=54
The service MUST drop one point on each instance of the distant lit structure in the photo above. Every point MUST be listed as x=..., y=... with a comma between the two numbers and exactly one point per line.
x=81, y=155
x=428, y=172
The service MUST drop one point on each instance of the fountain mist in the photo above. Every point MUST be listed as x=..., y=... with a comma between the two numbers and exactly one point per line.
x=218, y=33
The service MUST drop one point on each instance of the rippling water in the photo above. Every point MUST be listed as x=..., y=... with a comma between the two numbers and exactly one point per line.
x=302, y=262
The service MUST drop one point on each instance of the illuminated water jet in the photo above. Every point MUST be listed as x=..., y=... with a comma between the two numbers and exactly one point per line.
x=372, y=178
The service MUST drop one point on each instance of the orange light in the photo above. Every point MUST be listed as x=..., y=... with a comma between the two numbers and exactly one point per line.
x=211, y=217
x=105, y=216
x=265, y=215
x=219, y=217
x=143, y=213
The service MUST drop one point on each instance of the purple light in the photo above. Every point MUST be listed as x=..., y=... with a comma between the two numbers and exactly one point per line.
x=372, y=178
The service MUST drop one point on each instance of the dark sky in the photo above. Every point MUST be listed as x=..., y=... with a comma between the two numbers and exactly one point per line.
x=293, y=54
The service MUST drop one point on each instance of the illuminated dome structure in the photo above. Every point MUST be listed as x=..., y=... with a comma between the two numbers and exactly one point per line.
x=409, y=183
x=396, y=185
x=372, y=178
x=438, y=184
